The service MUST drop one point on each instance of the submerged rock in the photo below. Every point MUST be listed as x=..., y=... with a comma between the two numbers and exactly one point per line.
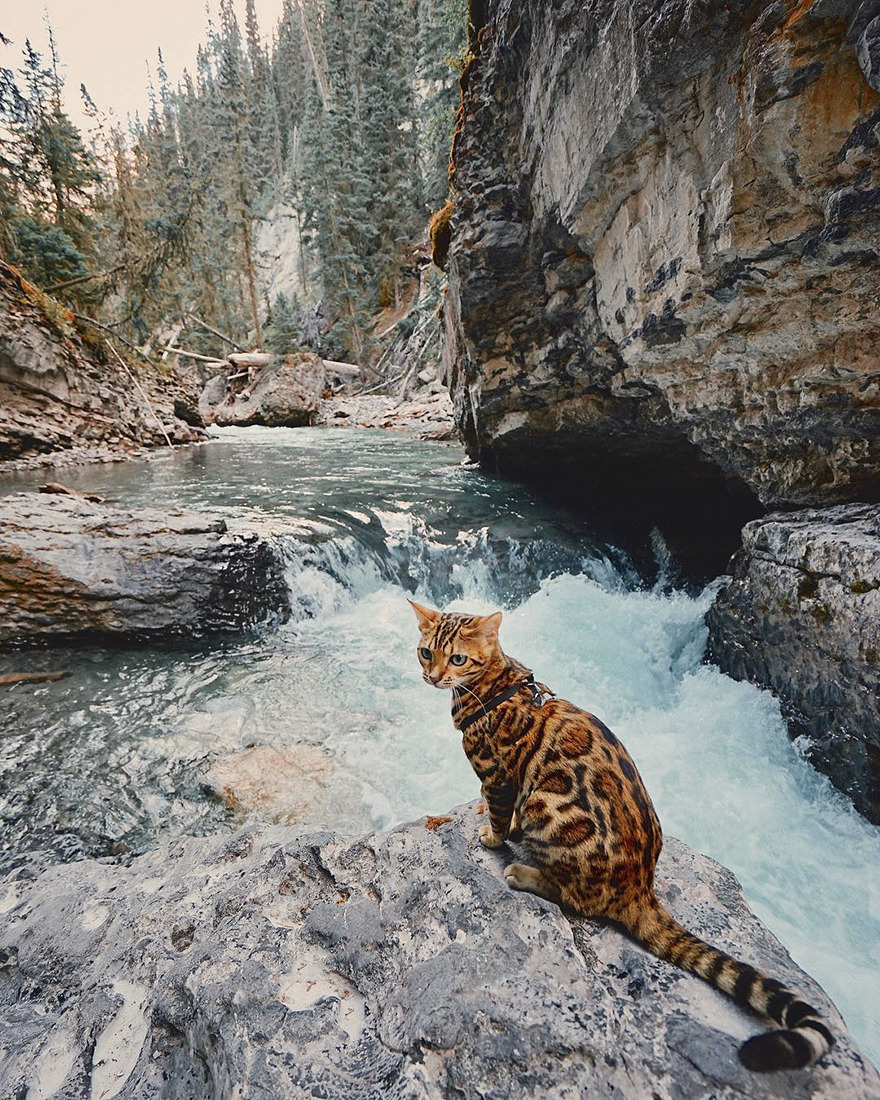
x=283, y=395
x=280, y=785
x=398, y=965
x=802, y=617
x=664, y=264
x=70, y=566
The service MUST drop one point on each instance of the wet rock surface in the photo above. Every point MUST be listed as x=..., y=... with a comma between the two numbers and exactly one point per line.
x=69, y=566
x=283, y=395
x=663, y=272
x=802, y=617
x=427, y=415
x=64, y=394
x=283, y=964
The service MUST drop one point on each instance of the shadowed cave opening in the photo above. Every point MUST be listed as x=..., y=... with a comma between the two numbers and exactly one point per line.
x=697, y=509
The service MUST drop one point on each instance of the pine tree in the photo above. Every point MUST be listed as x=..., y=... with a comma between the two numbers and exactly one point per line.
x=283, y=331
x=51, y=175
x=389, y=137
x=240, y=157
x=442, y=42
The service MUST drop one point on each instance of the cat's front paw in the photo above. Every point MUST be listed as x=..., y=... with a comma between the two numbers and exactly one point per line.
x=489, y=838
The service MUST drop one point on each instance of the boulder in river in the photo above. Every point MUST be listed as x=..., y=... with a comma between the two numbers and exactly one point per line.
x=802, y=616
x=283, y=395
x=70, y=566
x=281, y=964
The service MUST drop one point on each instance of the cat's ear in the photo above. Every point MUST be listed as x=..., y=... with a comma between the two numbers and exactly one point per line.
x=487, y=626
x=424, y=614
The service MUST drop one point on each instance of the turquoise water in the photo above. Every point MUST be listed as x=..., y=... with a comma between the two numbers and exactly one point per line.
x=115, y=756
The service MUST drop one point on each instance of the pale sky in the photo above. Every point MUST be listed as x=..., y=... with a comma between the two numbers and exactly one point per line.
x=107, y=44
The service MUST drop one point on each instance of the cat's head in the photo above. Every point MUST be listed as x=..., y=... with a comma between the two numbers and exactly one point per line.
x=455, y=649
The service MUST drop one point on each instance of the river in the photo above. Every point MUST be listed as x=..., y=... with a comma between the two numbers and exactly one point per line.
x=114, y=757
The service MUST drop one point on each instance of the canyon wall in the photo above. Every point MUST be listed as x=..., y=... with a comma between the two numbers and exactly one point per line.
x=664, y=267
x=63, y=390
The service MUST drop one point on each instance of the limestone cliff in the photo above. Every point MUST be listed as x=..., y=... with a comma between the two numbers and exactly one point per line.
x=664, y=261
x=61, y=389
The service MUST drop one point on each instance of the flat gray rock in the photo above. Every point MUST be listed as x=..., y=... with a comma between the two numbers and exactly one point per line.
x=278, y=964
x=802, y=617
x=68, y=566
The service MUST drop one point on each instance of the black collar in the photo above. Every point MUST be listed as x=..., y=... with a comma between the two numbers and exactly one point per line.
x=538, y=698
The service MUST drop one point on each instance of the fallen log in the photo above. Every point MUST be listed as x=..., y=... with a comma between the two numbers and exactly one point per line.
x=195, y=355
x=175, y=333
x=350, y=369
x=251, y=359
x=142, y=392
x=214, y=331
x=7, y=678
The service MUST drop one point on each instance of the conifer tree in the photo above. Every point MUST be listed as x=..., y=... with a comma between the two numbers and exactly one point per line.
x=239, y=158
x=52, y=175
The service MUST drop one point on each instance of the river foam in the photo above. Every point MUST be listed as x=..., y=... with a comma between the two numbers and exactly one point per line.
x=117, y=752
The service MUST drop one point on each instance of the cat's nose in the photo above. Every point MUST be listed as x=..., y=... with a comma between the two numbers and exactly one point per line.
x=434, y=679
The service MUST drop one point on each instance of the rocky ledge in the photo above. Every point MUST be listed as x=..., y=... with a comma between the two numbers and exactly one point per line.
x=70, y=566
x=64, y=390
x=282, y=964
x=664, y=261
x=428, y=415
x=802, y=617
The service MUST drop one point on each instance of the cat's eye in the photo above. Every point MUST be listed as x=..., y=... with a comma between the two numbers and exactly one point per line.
x=425, y=654
x=457, y=659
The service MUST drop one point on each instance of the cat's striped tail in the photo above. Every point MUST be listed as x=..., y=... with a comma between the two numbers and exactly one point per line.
x=803, y=1037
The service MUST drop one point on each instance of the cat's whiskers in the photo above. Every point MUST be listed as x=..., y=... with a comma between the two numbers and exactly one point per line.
x=479, y=700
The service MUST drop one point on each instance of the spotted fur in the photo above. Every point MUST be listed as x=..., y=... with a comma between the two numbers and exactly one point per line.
x=557, y=778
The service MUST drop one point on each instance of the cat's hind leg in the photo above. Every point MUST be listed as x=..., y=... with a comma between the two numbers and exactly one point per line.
x=519, y=876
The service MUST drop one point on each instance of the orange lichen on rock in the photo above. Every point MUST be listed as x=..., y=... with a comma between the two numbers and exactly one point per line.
x=434, y=823
x=440, y=234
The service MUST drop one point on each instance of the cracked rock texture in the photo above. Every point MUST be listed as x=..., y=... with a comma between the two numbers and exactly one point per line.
x=664, y=266
x=802, y=617
x=61, y=390
x=285, y=395
x=68, y=566
x=282, y=965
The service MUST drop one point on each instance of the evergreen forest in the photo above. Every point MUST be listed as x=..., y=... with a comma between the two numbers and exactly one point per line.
x=332, y=131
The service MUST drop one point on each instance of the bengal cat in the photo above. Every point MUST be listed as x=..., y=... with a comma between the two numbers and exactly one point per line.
x=558, y=779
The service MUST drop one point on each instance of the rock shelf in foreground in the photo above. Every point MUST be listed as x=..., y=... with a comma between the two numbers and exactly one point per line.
x=69, y=566
x=279, y=964
x=802, y=617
